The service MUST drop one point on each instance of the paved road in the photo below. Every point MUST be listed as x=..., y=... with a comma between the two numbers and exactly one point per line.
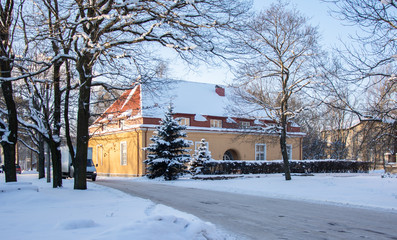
x=254, y=217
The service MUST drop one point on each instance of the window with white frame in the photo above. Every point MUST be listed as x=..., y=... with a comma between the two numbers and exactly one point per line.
x=99, y=154
x=184, y=121
x=245, y=124
x=289, y=151
x=216, y=123
x=260, y=152
x=121, y=124
x=123, y=153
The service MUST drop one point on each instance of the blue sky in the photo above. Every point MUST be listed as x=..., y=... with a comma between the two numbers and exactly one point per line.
x=331, y=31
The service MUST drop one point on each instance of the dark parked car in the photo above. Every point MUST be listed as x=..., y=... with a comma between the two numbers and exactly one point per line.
x=91, y=170
x=18, y=169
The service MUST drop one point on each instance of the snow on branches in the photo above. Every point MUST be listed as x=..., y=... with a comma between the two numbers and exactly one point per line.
x=201, y=156
x=166, y=152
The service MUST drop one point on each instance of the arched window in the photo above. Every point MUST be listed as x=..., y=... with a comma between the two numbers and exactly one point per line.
x=230, y=155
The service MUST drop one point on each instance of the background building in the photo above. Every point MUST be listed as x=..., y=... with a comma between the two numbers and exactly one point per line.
x=368, y=140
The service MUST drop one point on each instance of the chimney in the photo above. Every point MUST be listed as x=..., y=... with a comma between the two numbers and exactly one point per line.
x=220, y=91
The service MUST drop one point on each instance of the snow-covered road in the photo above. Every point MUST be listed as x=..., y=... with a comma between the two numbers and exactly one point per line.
x=255, y=217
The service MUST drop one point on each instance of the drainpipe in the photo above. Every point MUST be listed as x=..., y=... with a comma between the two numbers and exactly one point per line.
x=137, y=150
x=147, y=129
x=301, y=148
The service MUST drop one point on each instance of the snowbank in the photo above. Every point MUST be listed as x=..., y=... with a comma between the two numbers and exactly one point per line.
x=96, y=213
x=354, y=189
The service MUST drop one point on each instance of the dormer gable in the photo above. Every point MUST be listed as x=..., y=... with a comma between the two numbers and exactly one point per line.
x=127, y=105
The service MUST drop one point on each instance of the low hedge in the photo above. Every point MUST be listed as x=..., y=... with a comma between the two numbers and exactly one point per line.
x=296, y=166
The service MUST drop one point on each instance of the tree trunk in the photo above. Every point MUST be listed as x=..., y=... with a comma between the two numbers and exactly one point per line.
x=283, y=143
x=56, y=164
x=283, y=146
x=9, y=145
x=41, y=160
x=56, y=138
x=83, y=115
x=9, y=162
x=40, y=139
x=393, y=134
x=66, y=112
x=48, y=164
x=6, y=63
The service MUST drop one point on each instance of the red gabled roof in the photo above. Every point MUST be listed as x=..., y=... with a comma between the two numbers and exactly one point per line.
x=128, y=104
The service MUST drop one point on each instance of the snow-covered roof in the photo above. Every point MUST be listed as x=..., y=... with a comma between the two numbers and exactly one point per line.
x=186, y=97
x=199, y=99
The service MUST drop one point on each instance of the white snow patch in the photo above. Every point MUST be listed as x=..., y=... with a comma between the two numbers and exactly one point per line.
x=230, y=120
x=76, y=224
x=129, y=97
x=362, y=190
x=258, y=122
x=199, y=118
x=96, y=213
x=186, y=97
x=127, y=113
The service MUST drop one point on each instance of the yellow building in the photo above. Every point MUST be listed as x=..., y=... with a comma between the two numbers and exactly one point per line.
x=121, y=133
x=368, y=140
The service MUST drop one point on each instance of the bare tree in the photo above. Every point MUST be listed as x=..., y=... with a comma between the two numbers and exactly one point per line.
x=9, y=127
x=109, y=29
x=369, y=66
x=282, y=49
x=15, y=65
x=44, y=91
x=103, y=38
x=29, y=137
x=371, y=59
x=312, y=122
x=381, y=135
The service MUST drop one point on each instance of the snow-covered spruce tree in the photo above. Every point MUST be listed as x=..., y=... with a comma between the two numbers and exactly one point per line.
x=166, y=152
x=200, y=156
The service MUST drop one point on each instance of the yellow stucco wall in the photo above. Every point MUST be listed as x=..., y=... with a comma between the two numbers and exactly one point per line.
x=243, y=145
x=358, y=142
x=106, y=148
x=106, y=154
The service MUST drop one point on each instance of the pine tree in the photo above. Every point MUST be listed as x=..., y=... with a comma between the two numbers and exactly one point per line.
x=201, y=156
x=166, y=152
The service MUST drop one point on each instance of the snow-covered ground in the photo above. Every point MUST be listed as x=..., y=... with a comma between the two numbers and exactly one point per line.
x=97, y=213
x=358, y=190
x=103, y=213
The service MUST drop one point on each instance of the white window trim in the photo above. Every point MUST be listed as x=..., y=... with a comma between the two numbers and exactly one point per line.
x=99, y=157
x=184, y=121
x=289, y=153
x=264, y=151
x=218, y=123
x=122, y=163
x=245, y=124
